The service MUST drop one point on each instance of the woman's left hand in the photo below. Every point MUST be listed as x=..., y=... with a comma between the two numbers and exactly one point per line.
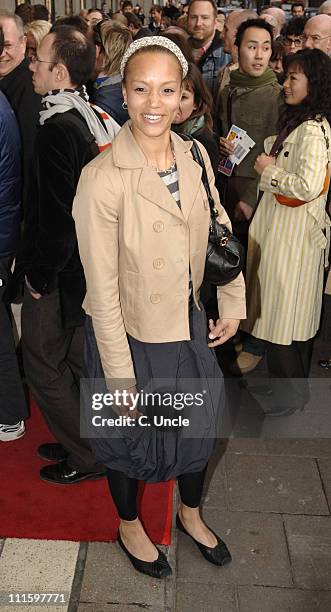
x=262, y=161
x=222, y=331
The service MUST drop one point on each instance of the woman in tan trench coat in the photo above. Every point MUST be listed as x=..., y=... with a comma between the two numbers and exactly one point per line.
x=142, y=219
x=288, y=237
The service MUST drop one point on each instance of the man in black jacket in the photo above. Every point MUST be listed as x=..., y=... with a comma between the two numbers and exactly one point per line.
x=16, y=84
x=52, y=317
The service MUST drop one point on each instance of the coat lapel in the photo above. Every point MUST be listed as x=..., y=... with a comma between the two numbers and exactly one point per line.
x=152, y=188
x=127, y=154
x=189, y=179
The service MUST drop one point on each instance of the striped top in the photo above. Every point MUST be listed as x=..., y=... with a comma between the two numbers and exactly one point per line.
x=171, y=181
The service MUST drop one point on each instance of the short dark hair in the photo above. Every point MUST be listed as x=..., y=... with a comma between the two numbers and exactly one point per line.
x=278, y=50
x=95, y=10
x=77, y=53
x=126, y=3
x=212, y=2
x=25, y=12
x=252, y=23
x=134, y=21
x=74, y=21
x=40, y=12
x=157, y=8
x=295, y=27
x=297, y=4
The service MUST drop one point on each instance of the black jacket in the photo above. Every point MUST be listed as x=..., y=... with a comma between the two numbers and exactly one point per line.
x=18, y=89
x=49, y=253
x=10, y=179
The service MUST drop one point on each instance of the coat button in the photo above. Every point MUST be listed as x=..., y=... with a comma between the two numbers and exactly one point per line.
x=158, y=226
x=155, y=298
x=158, y=264
x=286, y=154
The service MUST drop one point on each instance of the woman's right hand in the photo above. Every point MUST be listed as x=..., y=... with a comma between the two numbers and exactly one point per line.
x=226, y=147
x=125, y=409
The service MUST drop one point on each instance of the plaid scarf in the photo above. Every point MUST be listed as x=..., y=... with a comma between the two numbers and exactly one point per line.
x=63, y=100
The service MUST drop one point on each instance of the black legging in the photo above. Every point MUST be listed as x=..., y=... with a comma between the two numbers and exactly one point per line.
x=124, y=491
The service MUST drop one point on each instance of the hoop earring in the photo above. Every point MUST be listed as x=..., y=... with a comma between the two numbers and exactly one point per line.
x=124, y=106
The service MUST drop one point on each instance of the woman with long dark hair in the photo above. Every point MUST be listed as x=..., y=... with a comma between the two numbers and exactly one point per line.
x=288, y=245
x=194, y=115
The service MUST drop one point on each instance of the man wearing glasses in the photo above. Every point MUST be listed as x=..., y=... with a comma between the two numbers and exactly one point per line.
x=16, y=84
x=69, y=137
x=317, y=33
x=293, y=35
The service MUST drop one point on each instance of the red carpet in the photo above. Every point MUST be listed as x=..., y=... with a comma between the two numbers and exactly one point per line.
x=31, y=508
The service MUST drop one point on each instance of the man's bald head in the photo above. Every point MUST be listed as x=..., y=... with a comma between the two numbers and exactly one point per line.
x=317, y=33
x=231, y=25
x=278, y=13
x=325, y=8
x=273, y=22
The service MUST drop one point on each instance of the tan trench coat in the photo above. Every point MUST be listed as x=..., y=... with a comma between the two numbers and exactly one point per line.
x=137, y=248
x=288, y=247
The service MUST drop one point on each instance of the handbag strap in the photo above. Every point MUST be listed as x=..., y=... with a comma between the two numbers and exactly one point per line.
x=196, y=154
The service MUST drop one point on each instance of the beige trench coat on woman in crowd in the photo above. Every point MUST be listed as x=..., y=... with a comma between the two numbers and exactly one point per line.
x=288, y=247
x=137, y=249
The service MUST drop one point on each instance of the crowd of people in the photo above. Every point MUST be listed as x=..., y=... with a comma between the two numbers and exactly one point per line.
x=104, y=225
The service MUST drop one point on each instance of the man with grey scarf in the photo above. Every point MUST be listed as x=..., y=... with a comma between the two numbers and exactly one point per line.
x=70, y=135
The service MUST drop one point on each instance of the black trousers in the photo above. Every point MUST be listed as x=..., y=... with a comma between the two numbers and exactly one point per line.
x=13, y=404
x=53, y=362
x=289, y=367
x=124, y=491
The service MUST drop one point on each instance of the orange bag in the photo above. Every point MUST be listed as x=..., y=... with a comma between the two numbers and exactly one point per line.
x=293, y=202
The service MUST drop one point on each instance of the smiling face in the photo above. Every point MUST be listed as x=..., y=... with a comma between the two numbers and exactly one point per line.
x=152, y=91
x=201, y=21
x=295, y=86
x=14, y=48
x=255, y=52
x=186, y=107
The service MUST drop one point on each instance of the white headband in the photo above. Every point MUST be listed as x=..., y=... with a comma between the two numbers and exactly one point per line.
x=159, y=41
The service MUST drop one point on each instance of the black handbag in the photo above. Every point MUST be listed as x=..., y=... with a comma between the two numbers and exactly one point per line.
x=225, y=254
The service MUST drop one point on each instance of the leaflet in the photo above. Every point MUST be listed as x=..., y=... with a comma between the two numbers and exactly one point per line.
x=243, y=144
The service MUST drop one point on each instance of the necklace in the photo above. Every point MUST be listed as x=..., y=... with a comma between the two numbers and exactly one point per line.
x=168, y=170
x=171, y=168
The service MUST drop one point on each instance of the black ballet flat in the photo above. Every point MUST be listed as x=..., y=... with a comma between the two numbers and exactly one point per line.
x=325, y=363
x=159, y=568
x=283, y=412
x=219, y=555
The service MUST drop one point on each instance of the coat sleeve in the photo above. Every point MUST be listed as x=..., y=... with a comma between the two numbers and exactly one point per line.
x=231, y=297
x=55, y=237
x=308, y=158
x=96, y=215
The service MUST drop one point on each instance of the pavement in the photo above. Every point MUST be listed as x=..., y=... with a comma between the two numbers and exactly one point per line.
x=267, y=496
